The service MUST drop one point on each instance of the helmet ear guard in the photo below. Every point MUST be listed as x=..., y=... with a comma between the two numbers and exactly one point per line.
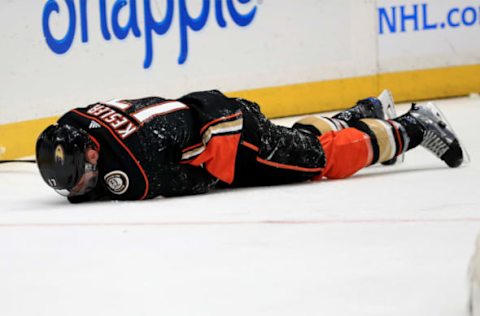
x=60, y=153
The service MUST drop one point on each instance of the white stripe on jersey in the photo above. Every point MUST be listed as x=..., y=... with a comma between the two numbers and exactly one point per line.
x=158, y=109
x=223, y=127
x=118, y=103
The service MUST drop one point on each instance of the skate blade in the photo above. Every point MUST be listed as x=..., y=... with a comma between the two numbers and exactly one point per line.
x=436, y=110
x=388, y=105
x=389, y=111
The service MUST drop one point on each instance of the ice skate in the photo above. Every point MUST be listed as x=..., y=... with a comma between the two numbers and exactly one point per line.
x=388, y=105
x=438, y=135
x=382, y=108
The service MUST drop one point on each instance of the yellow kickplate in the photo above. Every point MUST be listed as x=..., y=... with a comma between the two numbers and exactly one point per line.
x=18, y=139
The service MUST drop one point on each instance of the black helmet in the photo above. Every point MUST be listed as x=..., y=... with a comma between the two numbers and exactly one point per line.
x=60, y=152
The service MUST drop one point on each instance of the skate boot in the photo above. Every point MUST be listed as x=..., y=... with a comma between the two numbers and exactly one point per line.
x=438, y=135
x=382, y=108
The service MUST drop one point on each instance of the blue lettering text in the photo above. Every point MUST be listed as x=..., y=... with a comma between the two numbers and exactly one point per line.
x=469, y=16
x=122, y=31
x=152, y=25
x=449, y=18
x=186, y=21
x=390, y=20
x=415, y=17
x=404, y=17
x=426, y=25
x=59, y=46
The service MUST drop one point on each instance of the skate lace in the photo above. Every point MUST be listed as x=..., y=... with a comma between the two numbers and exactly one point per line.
x=435, y=143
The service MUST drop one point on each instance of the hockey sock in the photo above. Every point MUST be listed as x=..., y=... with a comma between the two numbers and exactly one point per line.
x=319, y=125
x=413, y=129
x=389, y=138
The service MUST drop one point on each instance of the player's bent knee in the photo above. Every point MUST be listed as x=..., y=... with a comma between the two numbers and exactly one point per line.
x=346, y=152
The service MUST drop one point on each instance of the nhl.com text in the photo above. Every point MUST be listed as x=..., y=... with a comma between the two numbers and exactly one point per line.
x=418, y=17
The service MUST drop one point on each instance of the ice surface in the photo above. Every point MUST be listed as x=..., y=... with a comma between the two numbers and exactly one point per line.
x=389, y=241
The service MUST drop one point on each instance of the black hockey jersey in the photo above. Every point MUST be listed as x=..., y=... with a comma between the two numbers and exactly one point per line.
x=154, y=146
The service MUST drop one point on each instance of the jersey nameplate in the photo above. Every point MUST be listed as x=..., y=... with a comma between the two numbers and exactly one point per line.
x=120, y=124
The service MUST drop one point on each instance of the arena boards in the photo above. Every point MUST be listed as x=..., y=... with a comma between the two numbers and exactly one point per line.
x=290, y=58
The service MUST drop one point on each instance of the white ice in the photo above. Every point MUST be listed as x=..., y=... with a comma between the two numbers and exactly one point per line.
x=388, y=241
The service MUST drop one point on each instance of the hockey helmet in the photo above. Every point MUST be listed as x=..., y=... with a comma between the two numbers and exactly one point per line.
x=60, y=152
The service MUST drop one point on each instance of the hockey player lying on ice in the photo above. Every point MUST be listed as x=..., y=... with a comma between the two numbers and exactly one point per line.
x=143, y=148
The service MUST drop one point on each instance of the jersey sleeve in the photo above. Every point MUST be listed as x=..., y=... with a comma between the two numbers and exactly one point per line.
x=219, y=121
x=188, y=180
x=97, y=194
x=161, y=140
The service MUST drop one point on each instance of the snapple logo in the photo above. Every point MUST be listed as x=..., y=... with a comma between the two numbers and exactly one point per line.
x=151, y=25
